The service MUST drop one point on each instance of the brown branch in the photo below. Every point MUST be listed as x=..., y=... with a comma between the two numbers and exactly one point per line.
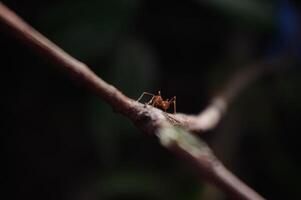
x=210, y=117
x=147, y=118
x=197, y=152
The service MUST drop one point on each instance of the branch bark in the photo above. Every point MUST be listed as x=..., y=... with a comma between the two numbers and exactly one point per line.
x=147, y=118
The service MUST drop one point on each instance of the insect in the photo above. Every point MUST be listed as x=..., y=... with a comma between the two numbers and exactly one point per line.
x=158, y=102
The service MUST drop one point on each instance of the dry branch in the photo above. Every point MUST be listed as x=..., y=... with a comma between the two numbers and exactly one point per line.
x=148, y=119
x=213, y=113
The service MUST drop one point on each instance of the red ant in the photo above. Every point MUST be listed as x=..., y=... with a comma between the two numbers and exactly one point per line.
x=158, y=102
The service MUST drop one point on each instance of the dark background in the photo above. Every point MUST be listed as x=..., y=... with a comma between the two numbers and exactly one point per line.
x=61, y=142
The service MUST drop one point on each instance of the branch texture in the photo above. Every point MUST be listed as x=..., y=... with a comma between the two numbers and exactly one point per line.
x=147, y=118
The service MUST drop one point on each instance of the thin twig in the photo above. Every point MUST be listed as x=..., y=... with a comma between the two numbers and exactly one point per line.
x=210, y=117
x=147, y=118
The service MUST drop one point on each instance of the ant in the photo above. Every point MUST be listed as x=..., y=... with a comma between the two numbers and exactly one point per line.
x=158, y=102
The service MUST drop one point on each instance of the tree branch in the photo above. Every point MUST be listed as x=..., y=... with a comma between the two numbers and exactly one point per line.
x=210, y=117
x=147, y=118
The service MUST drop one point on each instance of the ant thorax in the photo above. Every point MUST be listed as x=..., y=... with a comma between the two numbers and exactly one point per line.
x=157, y=99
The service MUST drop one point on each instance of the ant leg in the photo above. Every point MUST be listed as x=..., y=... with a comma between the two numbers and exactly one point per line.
x=144, y=93
x=151, y=101
x=174, y=107
x=173, y=100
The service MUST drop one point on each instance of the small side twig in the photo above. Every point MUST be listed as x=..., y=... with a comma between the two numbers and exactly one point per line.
x=147, y=118
x=210, y=117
